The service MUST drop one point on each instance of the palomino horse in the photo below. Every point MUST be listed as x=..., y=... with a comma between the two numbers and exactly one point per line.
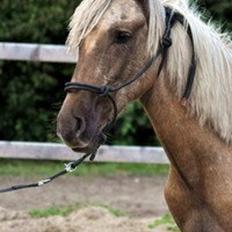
x=114, y=39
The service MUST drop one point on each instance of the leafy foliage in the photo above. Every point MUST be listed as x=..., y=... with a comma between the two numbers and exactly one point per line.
x=219, y=11
x=30, y=91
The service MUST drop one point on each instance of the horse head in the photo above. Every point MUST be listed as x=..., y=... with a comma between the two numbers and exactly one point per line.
x=110, y=53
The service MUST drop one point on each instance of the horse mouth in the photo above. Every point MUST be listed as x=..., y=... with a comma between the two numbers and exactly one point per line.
x=93, y=145
x=81, y=149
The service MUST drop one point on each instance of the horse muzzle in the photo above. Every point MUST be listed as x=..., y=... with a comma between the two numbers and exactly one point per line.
x=81, y=125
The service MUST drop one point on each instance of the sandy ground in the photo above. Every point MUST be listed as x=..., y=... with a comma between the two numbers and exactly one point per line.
x=92, y=219
x=140, y=198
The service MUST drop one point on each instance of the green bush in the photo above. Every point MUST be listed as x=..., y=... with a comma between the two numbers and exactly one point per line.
x=30, y=92
x=219, y=11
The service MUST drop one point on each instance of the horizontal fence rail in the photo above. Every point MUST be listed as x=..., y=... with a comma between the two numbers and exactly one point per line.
x=56, y=151
x=35, y=52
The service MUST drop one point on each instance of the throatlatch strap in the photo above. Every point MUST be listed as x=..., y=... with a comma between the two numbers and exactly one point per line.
x=193, y=65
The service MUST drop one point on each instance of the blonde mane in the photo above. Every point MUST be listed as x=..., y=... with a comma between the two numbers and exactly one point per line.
x=211, y=96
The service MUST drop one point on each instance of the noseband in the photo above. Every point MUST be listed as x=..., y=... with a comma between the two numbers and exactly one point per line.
x=166, y=42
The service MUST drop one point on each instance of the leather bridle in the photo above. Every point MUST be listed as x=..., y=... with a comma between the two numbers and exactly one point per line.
x=105, y=91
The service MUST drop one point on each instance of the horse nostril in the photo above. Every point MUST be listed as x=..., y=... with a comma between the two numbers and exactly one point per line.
x=79, y=126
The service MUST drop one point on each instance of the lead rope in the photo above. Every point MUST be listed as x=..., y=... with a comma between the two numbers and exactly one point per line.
x=70, y=167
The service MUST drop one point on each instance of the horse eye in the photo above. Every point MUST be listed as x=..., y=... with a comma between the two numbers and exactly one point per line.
x=122, y=37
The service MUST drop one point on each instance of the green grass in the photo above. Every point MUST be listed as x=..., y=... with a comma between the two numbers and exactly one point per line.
x=52, y=211
x=66, y=210
x=167, y=220
x=28, y=168
x=113, y=211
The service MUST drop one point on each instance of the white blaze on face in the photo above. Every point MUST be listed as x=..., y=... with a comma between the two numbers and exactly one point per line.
x=120, y=12
x=90, y=44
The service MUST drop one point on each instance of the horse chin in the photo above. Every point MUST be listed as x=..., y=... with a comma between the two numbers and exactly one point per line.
x=93, y=145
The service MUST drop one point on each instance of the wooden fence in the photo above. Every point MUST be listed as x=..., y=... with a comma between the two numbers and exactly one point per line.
x=35, y=52
x=56, y=151
x=51, y=151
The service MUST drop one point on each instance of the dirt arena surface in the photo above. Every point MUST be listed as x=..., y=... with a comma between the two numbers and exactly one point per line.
x=140, y=198
x=92, y=219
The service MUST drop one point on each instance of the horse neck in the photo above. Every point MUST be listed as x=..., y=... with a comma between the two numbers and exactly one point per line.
x=189, y=146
